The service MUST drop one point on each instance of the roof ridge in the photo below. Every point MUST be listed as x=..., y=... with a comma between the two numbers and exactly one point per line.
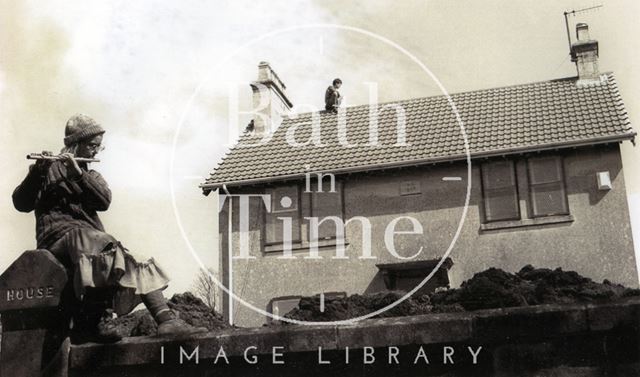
x=571, y=78
x=298, y=115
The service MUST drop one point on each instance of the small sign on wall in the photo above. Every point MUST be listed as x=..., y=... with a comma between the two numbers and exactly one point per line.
x=410, y=188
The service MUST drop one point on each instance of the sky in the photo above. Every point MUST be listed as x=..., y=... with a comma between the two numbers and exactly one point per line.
x=158, y=76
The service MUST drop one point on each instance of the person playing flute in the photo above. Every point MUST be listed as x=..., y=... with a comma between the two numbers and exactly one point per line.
x=66, y=197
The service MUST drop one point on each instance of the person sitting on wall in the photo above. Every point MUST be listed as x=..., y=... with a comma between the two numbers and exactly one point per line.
x=332, y=97
x=66, y=197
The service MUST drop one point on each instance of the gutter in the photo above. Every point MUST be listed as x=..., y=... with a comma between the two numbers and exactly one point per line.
x=396, y=164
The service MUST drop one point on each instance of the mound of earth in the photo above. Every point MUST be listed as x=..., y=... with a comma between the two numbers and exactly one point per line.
x=492, y=288
x=187, y=306
x=359, y=305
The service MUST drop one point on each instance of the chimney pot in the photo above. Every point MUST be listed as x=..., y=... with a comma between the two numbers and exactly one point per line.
x=584, y=52
x=270, y=100
x=582, y=32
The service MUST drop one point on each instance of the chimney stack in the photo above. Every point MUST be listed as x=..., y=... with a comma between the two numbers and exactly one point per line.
x=270, y=100
x=584, y=52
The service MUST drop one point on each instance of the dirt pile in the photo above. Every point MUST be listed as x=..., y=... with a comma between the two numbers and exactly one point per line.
x=492, y=288
x=188, y=307
x=358, y=305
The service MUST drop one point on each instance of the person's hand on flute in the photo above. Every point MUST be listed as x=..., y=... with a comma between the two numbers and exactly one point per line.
x=43, y=164
x=73, y=169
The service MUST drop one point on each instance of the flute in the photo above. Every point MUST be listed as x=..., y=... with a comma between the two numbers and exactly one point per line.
x=40, y=156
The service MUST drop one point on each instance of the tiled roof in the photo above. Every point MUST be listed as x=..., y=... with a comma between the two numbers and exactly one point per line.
x=549, y=114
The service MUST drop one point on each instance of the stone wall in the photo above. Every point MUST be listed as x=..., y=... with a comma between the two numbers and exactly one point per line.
x=549, y=340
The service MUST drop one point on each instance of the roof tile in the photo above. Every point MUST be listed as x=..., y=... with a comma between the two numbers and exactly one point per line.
x=499, y=120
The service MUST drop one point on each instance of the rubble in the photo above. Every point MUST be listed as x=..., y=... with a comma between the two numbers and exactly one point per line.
x=492, y=288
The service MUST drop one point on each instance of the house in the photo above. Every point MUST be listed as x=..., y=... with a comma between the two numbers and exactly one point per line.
x=546, y=188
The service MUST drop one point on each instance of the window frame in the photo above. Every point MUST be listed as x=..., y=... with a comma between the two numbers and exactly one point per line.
x=340, y=192
x=304, y=209
x=522, y=168
x=275, y=300
x=275, y=214
x=559, y=160
x=483, y=187
x=330, y=295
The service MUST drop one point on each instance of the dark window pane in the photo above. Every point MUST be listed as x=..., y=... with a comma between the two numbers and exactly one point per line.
x=325, y=204
x=545, y=170
x=549, y=199
x=280, y=307
x=285, y=202
x=500, y=191
x=501, y=204
x=274, y=227
x=498, y=174
x=546, y=184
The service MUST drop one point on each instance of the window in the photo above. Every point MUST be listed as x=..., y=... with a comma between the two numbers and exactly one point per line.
x=282, y=305
x=500, y=191
x=540, y=198
x=285, y=202
x=294, y=204
x=546, y=187
x=325, y=204
x=405, y=276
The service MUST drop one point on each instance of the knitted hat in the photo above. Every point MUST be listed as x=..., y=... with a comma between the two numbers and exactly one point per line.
x=81, y=127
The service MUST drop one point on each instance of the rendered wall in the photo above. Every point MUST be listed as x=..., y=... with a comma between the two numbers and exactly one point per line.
x=596, y=243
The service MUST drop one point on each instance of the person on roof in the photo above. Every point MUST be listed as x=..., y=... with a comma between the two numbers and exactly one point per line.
x=66, y=197
x=332, y=97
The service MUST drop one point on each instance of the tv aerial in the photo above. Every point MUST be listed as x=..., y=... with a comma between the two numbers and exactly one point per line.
x=573, y=13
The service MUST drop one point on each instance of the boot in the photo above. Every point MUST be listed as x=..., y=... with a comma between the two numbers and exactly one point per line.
x=108, y=329
x=168, y=323
x=175, y=327
x=93, y=319
x=95, y=327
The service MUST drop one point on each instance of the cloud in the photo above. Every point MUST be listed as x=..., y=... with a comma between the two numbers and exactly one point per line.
x=133, y=66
